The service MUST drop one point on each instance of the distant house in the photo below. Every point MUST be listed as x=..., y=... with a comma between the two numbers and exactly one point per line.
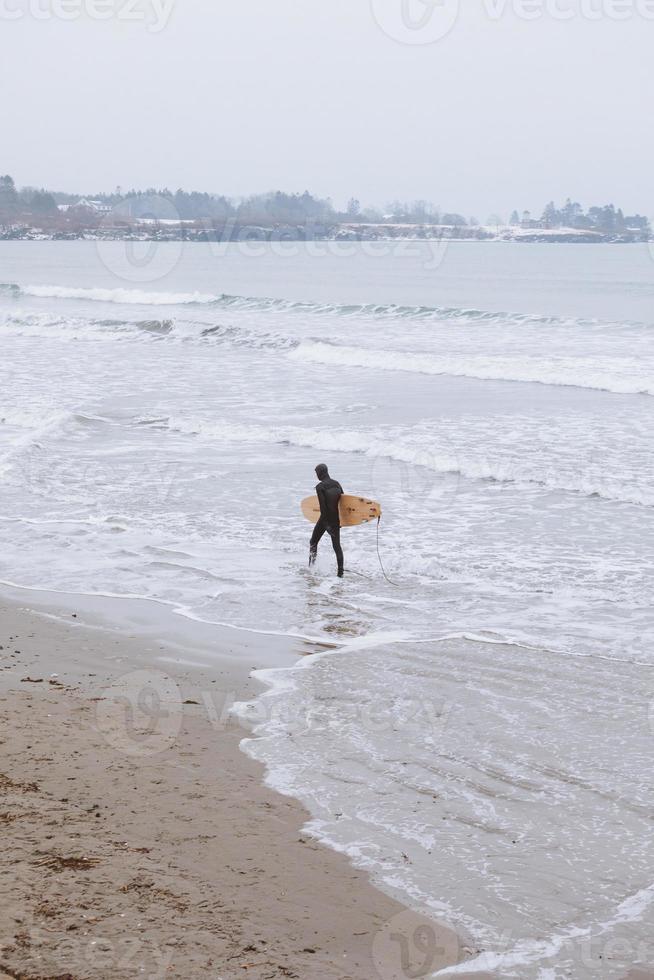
x=529, y=222
x=96, y=206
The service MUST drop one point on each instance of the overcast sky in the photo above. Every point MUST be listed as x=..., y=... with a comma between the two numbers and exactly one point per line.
x=342, y=97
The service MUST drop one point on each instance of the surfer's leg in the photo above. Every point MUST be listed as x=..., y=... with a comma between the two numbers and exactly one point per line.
x=335, y=534
x=318, y=532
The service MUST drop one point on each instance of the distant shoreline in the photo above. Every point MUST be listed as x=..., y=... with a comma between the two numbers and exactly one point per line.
x=161, y=231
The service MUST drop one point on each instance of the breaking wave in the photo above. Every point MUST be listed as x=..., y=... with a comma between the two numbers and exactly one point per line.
x=124, y=296
x=67, y=328
x=80, y=328
x=461, y=315
x=242, y=337
x=621, y=375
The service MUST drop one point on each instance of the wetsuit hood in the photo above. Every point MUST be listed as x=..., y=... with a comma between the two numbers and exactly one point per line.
x=322, y=472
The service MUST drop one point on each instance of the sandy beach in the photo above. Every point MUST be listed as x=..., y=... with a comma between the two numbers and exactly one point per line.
x=139, y=841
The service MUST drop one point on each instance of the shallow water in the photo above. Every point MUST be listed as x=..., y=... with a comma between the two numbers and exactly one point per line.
x=158, y=433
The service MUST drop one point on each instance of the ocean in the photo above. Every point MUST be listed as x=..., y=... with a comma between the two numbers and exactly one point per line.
x=478, y=731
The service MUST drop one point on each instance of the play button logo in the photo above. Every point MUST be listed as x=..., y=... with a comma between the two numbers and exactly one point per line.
x=416, y=21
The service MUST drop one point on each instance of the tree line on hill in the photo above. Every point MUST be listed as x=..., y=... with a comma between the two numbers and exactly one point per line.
x=272, y=208
x=607, y=220
x=34, y=206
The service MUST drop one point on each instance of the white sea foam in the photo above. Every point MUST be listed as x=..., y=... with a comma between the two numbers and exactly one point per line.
x=300, y=709
x=507, y=450
x=37, y=432
x=532, y=952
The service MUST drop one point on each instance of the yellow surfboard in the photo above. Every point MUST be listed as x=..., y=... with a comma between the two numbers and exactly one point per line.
x=353, y=510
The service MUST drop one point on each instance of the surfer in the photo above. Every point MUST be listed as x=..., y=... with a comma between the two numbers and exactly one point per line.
x=329, y=494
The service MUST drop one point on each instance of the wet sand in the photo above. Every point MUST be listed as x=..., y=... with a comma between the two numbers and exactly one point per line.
x=139, y=841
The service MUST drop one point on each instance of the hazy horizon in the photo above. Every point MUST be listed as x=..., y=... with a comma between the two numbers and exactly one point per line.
x=500, y=113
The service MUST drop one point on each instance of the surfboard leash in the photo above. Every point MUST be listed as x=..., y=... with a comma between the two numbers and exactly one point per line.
x=381, y=564
x=369, y=578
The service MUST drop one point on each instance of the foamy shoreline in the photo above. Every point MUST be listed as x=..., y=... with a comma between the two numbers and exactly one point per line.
x=157, y=840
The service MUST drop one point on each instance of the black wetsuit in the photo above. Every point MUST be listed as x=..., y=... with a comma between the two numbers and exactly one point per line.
x=329, y=494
